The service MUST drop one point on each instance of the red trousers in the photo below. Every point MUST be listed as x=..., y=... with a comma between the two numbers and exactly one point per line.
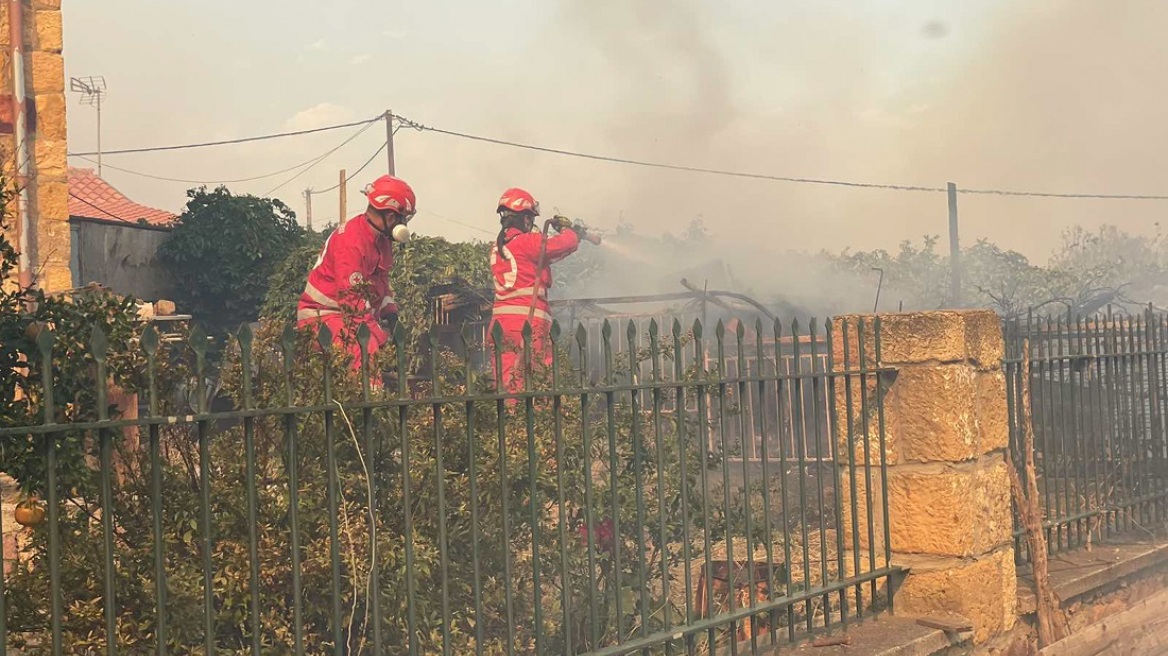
x=345, y=335
x=511, y=377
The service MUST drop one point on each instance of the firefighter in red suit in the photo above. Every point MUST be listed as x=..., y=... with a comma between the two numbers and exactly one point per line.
x=519, y=276
x=349, y=285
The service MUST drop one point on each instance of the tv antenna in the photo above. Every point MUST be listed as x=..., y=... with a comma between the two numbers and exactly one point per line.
x=92, y=90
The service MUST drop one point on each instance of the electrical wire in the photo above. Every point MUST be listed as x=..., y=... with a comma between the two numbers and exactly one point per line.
x=184, y=181
x=99, y=209
x=762, y=176
x=318, y=160
x=405, y=122
x=358, y=171
x=1040, y=194
x=227, y=142
x=355, y=173
x=457, y=222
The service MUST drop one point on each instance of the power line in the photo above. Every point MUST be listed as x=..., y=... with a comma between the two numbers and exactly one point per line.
x=762, y=176
x=320, y=159
x=251, y=179
x=1040, y=194
x=355, y=173
x=358, y=171
x=227, y=142
x=184, y=181
x=457, y=222
x=405, y=122
x=100, y=209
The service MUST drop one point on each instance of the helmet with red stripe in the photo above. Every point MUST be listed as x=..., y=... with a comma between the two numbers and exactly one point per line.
x=518, y=201
x=390, y=193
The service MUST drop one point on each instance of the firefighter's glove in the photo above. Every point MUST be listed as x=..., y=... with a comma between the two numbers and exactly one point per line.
x=580, y=229
x=561, y=223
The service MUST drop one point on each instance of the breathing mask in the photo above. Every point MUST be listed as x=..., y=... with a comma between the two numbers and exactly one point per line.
x=400, y=233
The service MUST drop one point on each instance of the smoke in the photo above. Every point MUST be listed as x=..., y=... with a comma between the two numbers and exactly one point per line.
x=1058, y=96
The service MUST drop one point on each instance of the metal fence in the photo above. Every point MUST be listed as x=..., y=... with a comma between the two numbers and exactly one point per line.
x=1100, y=423
x=741, y=440
x=582, y=516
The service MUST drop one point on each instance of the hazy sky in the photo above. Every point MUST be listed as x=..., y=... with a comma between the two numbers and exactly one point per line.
x=1048, y=95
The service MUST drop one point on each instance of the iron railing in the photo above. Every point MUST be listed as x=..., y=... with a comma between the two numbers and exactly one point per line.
x=325, y=515
x=1100, y=423
x=742, y=441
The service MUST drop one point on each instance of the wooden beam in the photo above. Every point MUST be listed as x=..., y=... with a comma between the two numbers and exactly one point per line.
x=952, y=624
x=1141, y=629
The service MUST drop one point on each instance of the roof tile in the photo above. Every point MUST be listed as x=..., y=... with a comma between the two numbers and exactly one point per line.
x=93, y=198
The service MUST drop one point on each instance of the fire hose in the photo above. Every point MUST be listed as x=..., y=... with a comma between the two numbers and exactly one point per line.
x=562, y=223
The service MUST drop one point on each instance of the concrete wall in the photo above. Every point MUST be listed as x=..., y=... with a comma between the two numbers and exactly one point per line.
x=121, y=257
x=48, y=188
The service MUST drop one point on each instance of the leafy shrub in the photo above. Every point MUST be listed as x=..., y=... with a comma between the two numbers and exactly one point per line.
x=480, y=483
x=223, y=251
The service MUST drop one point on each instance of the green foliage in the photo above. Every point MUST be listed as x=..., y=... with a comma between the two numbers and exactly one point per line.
x=24, y=316
x=418, y=266
x=287, y=282
x=423, y=263
x=485, y=508
x=223, y=252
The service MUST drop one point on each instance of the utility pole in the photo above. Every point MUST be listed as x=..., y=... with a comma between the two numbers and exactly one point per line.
x=342, y=188
x=954, y=249
x=308, y=208
x=389, y=140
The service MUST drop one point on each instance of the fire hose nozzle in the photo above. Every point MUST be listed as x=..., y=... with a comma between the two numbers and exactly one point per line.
x=564, y=223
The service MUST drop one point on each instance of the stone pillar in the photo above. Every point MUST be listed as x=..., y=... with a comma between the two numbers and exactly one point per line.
x=945, y=435
x=48, y=197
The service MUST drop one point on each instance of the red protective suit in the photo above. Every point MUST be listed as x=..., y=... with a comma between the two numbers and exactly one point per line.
x=515, y=282
x=355, y=253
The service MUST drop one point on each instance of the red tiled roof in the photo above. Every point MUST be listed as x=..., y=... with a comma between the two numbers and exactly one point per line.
x=91, y=197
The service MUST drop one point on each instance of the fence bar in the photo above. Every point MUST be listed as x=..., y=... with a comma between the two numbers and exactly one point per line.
x=199, y=346
x=100, y=347
x=45, y=341
x=324, y=341
x=885, y=515
x=245, y=359
x=764, y=453
x=1099, y=421
x=150, y=343
x=504, y=485
x=817, y=406
x=403, y=427
x=683, y=456
x=288, y=342
x=638, y=444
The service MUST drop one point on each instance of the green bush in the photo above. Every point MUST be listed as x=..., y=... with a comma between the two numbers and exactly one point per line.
x=418, y=266
x=446, y=442
x=223, y=251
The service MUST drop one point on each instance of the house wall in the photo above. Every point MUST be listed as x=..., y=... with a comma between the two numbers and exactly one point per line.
x=121, y=257
x=48, y=188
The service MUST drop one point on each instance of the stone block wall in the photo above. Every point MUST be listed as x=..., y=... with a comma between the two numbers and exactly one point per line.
x=48, y=189
x=944, y=440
